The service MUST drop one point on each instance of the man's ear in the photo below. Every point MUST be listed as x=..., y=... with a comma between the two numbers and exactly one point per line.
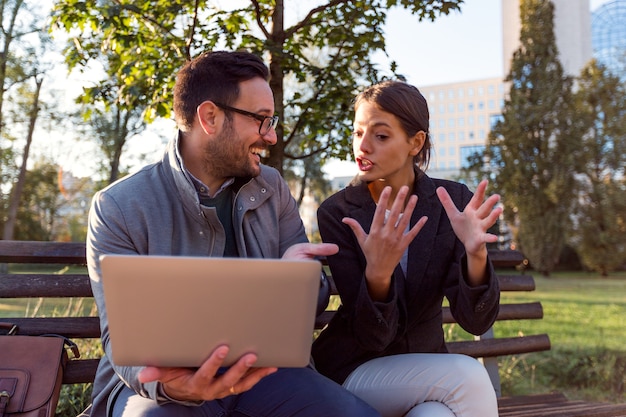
x=207, y=116
x=418, y=142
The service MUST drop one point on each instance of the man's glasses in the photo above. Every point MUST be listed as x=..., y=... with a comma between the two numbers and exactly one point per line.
x=267, y=122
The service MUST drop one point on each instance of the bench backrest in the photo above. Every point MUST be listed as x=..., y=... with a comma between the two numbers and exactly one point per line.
x=46, y=285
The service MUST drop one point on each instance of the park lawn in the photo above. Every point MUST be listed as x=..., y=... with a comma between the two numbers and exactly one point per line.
x=581, y=311
x=585, y=317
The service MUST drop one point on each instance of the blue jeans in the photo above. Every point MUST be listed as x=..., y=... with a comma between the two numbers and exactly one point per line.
x=290, y=392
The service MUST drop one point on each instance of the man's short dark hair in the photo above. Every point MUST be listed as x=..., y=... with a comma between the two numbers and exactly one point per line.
x=213, y=76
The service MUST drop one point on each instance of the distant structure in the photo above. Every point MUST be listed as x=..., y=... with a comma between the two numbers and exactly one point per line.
x=572, y=29
x=463, y=113
x=608, y=36
x=461, y=116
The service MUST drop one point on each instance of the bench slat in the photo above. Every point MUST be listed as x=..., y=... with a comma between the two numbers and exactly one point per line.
x=518, y=311
x=501, y=346
x=78, y=285
x=72, y=327
x=506, y=258
x=35, y=252
x=40, y=285
x=516, y=282
x=80, y=371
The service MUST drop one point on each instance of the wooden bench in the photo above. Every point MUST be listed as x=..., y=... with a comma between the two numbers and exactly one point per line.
x=34, y=285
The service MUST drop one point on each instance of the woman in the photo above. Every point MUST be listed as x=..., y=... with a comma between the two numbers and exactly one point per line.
x=404, y=244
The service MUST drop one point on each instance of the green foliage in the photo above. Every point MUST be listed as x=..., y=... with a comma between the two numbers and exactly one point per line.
x=74, y=399
x=599, y=232
x=592, y=375
x=317, y=63
x=39, y=204
x=533, y=147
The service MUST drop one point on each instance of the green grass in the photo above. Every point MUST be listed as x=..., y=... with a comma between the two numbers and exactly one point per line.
x=585, y=317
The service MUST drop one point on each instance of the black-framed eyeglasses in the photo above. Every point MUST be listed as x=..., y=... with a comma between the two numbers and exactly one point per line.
x=267, y=122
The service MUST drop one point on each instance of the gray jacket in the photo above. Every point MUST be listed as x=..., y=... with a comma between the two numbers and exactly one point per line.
x=156, y=211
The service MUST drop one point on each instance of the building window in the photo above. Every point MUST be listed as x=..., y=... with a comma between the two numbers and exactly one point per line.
x=493, y=119
x=460, y=122
x=470, y=106
x=461, y=107
x=468, y=153
x=481, y=105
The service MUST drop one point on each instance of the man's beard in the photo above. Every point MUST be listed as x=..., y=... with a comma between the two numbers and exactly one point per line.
x=226, y=157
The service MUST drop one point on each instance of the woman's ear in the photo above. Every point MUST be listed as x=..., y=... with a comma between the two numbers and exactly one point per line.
x=418, y=142
x=207, y=116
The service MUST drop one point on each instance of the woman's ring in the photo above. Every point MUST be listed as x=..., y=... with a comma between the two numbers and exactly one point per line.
x=232, y=390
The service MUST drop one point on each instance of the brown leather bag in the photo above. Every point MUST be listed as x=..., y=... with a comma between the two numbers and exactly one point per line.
x=31, y=373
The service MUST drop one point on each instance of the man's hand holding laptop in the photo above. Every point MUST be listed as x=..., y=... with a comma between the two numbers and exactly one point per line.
x=204, y=383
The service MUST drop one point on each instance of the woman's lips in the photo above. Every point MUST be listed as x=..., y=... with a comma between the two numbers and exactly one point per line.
x=364, y=164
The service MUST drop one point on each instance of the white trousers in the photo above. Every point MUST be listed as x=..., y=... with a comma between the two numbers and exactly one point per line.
x=425, y=385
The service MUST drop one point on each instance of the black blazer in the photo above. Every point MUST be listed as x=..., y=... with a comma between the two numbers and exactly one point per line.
x=411, y=319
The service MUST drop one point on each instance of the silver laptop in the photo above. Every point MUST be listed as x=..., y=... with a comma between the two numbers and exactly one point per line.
x=174, y=310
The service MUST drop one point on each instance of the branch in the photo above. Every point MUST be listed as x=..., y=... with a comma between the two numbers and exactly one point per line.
x=192, y=30
x=305, y=22
x=315, y=152
x=257, y=13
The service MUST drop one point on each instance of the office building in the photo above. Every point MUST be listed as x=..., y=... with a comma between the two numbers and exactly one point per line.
x=572, y=30
x=462, y=114
x=608, y=36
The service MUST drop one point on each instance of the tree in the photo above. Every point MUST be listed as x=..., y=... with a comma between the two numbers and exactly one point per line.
x=40, y=203
x=326, y=55
x=533, y=147
x=599, y=232
x=24, y=43
x=112, y=128
x=18, y=188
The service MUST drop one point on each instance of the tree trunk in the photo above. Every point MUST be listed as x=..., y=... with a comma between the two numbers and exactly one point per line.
x=277, y=152
x=16, y=193
x=4, y=54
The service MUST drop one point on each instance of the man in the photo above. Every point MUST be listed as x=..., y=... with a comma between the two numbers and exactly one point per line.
x=209, y=196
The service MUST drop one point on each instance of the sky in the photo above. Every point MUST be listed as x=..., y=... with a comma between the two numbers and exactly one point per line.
x=428, y=53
